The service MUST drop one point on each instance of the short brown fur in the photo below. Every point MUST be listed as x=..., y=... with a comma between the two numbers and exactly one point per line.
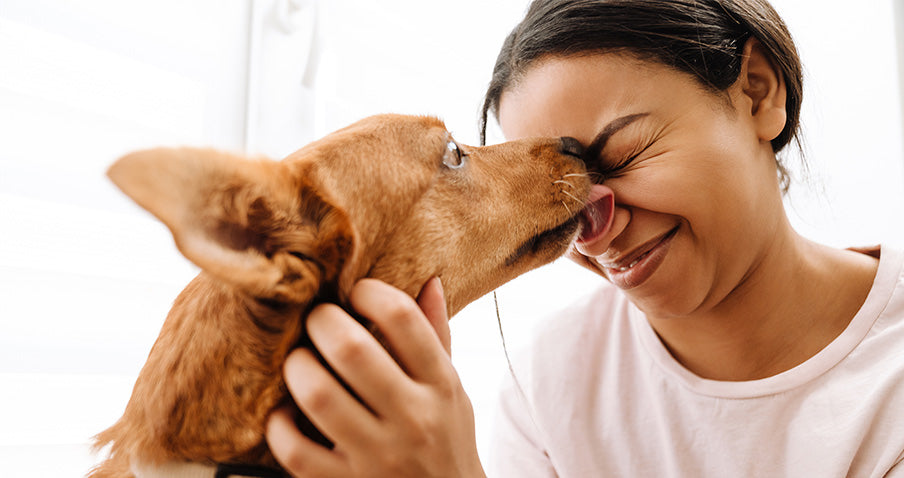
x=275, y=238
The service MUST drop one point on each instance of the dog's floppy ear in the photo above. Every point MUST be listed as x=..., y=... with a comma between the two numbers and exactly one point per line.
x=250, y=223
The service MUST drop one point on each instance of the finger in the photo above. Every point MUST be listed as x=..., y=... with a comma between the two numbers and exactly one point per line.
x=433, y=304
x=298, y=454
x=325, y=402
x=358, y=358
x=413, y=341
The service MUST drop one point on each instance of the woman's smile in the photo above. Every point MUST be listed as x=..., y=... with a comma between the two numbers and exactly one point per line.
x=634, y=268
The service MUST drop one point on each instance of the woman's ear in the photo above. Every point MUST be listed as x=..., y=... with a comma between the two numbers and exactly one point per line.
x=764, y=85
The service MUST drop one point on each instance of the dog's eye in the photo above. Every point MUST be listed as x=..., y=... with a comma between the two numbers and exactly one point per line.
x=454, y=157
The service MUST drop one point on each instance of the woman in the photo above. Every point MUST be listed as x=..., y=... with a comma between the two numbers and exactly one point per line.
x=725, y=344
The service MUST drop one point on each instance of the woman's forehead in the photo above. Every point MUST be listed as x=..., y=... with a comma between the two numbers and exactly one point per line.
x=574, y=95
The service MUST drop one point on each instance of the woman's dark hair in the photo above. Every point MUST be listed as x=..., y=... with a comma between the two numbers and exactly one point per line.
x=704, y=38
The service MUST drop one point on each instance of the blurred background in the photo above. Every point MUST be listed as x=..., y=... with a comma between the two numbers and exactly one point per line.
x=86, y=278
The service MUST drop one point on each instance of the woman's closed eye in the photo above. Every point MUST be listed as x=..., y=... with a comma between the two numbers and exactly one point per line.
x=612, y=166
x=609, y=169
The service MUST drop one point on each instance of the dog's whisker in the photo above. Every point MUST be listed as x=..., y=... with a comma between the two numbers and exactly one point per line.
x=567, y=208
x=572, y=197
x=562, y=181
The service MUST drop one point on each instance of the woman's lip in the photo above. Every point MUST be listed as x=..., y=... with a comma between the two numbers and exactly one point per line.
x=634, y=255
x=636, y=268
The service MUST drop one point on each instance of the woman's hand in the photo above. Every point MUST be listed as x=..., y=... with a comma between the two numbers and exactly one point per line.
x=418, y=421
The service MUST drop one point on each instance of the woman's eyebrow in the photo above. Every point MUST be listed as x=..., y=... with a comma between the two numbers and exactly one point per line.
x=593, y=151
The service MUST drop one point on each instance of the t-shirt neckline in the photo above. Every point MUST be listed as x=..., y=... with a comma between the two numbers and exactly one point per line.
x=879, y=295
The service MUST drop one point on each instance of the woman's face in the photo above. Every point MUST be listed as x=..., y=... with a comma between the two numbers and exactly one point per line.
x=696, y=190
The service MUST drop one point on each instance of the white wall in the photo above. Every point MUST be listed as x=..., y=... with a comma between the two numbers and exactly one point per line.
x=86, y=278
x=851, y=121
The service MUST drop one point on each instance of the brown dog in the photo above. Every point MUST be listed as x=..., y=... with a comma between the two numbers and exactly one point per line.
x=390, y=197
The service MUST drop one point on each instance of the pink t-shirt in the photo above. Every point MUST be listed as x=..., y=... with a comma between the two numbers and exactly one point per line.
x=598, y=395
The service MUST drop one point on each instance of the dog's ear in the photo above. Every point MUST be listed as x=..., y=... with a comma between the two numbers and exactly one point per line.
x=250, y=223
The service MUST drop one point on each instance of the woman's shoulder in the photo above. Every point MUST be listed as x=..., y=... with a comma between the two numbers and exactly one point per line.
x=886, y=297
x=887, y=290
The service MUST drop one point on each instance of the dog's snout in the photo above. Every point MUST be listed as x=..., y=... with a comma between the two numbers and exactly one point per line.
x=572, y=147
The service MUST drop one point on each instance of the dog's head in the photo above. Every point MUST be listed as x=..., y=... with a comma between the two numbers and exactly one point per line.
x=391, y=197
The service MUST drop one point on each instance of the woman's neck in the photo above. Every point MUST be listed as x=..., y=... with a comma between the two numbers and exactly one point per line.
x=797, y=299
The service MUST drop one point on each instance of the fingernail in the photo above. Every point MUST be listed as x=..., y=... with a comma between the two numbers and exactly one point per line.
x=439, y=283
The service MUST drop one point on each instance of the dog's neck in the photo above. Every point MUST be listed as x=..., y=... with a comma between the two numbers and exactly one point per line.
x=220, y=358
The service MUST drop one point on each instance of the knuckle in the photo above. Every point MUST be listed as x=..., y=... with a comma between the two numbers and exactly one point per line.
x=315, y=398
x=421, y=425
x=446, y=391
x=352, y=350
x=447, y=386
x=400, y=313
x=424, y=428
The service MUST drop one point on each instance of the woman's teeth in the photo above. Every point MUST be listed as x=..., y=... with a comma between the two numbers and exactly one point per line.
x=632, y=264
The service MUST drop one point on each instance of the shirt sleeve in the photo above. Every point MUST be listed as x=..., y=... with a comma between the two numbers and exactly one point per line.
x=517, y=450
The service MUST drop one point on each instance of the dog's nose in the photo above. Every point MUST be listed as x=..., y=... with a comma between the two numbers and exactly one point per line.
x=572, y=147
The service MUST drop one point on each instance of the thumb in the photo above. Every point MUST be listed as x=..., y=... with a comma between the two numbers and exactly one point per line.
x=433, y=304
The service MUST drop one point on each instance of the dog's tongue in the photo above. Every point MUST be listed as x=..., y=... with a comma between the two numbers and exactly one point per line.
x=596, y=218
